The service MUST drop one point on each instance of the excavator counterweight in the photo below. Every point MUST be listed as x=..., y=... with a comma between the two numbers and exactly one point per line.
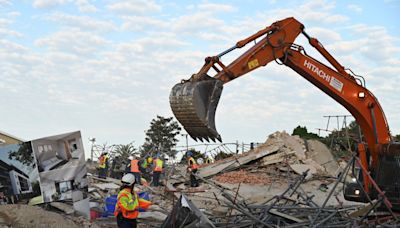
x=194, y=104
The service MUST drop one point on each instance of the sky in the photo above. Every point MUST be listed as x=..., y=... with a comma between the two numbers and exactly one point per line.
x=106, y=67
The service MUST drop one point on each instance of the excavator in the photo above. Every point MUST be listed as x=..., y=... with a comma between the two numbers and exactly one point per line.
x=194, y=102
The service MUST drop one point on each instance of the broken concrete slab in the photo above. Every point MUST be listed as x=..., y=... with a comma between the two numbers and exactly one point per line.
x=301, y=168
x=320, y=153
x=107, y=186
x=235, y=162
x=68, y=209
x=155, y=215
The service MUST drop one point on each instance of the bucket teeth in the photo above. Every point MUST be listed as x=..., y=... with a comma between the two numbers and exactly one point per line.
x=194, y=105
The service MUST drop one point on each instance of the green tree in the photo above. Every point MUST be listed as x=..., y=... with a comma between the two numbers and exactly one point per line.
x=222, y=155
x=125, y=150
x=304, y=134
x=397, y=138
x=160, y=136
x=342, y=141
x=24, y=154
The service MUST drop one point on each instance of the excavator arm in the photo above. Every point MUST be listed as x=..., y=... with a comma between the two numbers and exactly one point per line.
x=194, y=101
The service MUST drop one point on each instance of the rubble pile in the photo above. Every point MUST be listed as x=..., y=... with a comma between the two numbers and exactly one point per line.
x=285, y=182
x=280, y=154
x=19, y=215
x=243, y=176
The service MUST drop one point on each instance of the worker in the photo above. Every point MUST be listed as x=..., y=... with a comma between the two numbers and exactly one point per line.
x=157, y=169
x=192, y=168
x=103, y=165
x=147, y=167
x=128, y=203
x=134, y=168
x=143, y=165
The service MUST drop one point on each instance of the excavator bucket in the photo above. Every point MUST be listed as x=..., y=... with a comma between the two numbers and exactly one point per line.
x=194, y=105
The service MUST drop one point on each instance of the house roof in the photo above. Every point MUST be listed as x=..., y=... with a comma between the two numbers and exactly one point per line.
x=11, y=136
x=10, y=167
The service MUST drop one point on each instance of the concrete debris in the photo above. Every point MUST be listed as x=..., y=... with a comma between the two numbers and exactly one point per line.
x=106, y=186
x=18, y=215
x=243, y=176
x=67, y=209
x=301, y=168
x=285, y=182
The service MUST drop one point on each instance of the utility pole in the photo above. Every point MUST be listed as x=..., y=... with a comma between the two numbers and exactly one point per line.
x=187, y=142
x=92, y=140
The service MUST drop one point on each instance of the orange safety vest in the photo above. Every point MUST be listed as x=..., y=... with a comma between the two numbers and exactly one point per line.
x=194, y=165
x=135, y=166
x=133, y=198
x=120, y=208
x=158, y=165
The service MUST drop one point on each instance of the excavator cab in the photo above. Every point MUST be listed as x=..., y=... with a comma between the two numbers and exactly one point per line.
x=194, y=103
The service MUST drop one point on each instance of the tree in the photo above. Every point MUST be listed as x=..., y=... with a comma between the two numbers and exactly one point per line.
x=161, y=136
x=24, y=154
x=397, y=138
x=124, y=151
x=342, y=141
x=304, y=134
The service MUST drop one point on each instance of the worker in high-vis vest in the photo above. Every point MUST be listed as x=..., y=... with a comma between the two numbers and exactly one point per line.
x=103, y=165
x=192, y=168
x=157, y=169
x=134, y=168
x=128, y=203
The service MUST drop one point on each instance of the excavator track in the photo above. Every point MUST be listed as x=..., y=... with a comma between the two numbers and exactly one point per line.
x=194, y=104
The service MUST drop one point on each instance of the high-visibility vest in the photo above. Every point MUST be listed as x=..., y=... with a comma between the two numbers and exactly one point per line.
x=102, y=161
x=135, y=166
x=144, y=164
x=128, y=204
x=158, y=165
x=192, y=164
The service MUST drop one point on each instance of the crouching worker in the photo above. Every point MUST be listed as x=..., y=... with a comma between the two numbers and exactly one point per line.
x=128, y=204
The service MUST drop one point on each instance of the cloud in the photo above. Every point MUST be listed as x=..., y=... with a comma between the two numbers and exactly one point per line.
x=48, y=3
x=8, y=32
x=140, y=23
x=355, y=8
x=72, y=40
x=196, y=22
x=324, y=35
x=85, y=7
x=84, y=22
x=135, y=6
x=213, y=7
x=5, y=2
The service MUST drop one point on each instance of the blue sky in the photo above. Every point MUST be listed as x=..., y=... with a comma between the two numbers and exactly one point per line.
x=106, y=67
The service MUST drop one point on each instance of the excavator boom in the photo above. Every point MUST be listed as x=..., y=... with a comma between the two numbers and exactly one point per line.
x=194, y=101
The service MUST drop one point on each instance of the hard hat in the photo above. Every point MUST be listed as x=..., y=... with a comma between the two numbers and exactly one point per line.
x=189, y=153
x=130, y=157
x=149, y=159
x=128, y=179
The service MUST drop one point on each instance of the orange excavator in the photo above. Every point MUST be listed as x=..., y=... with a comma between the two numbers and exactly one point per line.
x=194, y=102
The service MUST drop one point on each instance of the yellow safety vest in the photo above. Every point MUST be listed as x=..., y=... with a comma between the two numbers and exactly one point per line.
x=158, y=165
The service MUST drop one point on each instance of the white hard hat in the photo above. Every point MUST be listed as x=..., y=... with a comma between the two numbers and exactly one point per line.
x=130, y=157
x=128, y=179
